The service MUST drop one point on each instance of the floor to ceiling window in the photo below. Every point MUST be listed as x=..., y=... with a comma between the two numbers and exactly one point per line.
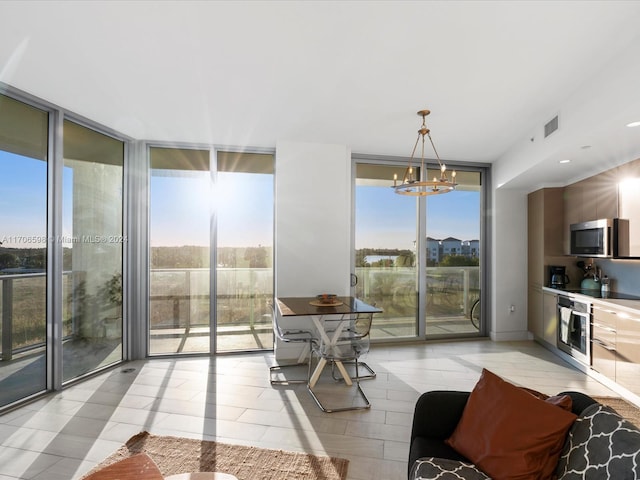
x=198, y=206
x=423, y=269
x=179, y=256
x=244, y=237
x=386, y=231
x=92, y=245
x=23, y=249
x=452, y=251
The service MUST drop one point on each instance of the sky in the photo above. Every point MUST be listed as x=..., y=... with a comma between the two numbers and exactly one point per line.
x=179, y=212
x=23, y=201
x=385, y=219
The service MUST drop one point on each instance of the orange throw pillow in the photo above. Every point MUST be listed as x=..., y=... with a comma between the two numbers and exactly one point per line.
x=509, y=433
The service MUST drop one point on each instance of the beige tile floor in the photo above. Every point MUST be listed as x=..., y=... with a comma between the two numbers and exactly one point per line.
x=229, y=399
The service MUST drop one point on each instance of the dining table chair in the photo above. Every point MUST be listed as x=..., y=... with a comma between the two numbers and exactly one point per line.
x=347, y=340
x=289, y=335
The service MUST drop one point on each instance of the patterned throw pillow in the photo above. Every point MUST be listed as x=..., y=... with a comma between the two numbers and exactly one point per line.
x=601, y=444
x=429, y=468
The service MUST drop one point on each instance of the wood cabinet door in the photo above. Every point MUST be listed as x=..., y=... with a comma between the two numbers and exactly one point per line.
x=535, y=237
x=589, y=196
x=534, y=310
x=603, y=341
x=572, y=210
x=628, y=350
x=550, y=318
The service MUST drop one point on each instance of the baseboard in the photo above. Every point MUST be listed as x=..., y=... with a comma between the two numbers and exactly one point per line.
x=509, y=336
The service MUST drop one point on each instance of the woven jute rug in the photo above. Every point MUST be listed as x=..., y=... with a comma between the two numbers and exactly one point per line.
x=181, y=455
x=625, y=409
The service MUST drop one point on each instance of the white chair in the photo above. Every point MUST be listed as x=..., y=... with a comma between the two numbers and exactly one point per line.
x=287, y=335
x=351, y=344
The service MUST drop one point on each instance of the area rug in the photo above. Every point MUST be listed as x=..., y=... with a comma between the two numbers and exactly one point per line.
x=625, y=409
x=180, y=455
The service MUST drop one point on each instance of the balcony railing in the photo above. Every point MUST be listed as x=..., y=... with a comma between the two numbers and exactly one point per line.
x=180, y=299
x=28, y=313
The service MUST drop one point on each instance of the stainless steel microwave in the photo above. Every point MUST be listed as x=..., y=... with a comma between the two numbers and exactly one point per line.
x=592, y=239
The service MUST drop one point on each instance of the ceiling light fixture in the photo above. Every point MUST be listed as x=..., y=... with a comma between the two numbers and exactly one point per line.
x=633, y=124
x=566, y=160
x=411, y=184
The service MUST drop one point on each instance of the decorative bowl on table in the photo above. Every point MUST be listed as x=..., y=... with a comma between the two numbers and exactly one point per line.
x=327, y=298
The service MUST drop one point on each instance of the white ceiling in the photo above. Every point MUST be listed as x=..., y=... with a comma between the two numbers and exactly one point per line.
x=351, y=73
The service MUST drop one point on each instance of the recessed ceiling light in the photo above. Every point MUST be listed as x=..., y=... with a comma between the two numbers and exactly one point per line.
x=633, y=124
x=585, y=147
x=566, y=160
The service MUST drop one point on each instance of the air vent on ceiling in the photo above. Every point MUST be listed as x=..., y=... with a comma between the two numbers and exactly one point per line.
x=551, y=126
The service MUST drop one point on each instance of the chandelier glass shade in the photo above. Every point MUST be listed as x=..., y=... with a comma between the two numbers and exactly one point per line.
x=412, y=184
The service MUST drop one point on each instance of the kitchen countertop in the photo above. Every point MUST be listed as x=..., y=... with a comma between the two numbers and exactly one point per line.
x=631, y=303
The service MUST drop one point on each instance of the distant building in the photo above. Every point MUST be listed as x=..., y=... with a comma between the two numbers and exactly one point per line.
x=451, y=246
x=433, y=249
x=438, y=249
x=471, y=248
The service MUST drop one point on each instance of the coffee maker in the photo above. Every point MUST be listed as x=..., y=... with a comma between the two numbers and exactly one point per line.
x=558, y=277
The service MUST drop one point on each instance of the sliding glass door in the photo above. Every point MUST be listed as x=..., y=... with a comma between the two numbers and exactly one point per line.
x=453, y=246
x=179, y=239
x=244, y=242
x=386, y=232
x=200, y=304
x=419, y=258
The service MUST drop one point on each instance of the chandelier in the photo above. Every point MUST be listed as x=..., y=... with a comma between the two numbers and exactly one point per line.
x=411, y=184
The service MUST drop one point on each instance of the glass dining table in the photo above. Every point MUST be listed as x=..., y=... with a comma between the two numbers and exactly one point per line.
x=339, y=311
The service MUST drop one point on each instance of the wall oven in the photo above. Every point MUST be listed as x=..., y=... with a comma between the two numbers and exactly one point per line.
x=574, y=328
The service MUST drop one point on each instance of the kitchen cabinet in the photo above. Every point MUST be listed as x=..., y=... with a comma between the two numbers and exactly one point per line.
x=628, y=351
x=600, y=196
x=550, y=318
x=572, y=201
x=590, y=199
x=603, y=341
x=544, y=223
x=535, y=311
x=544, y=248
x=616, y=345
x=629, y=205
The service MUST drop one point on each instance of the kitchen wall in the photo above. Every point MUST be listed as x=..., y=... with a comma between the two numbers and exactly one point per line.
x=624, y=274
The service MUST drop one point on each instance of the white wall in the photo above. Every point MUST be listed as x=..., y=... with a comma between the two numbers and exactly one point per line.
x=509, y=252
x=313, y=219
x=313, y=223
